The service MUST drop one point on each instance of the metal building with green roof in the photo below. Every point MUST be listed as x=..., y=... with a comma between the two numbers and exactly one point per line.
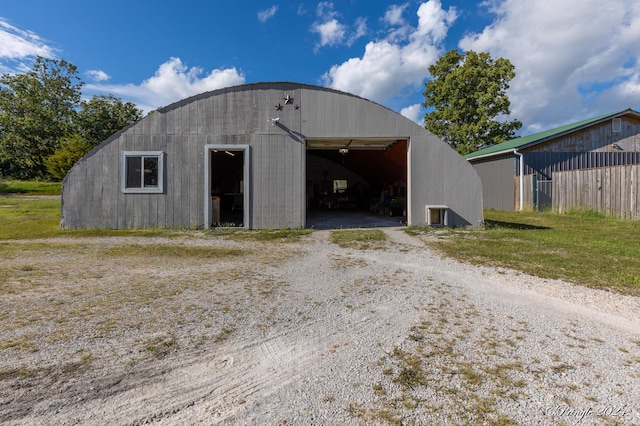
x=607, y=140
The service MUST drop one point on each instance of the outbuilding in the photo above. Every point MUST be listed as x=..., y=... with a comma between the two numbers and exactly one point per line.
x=261, y=156
x=518, y=174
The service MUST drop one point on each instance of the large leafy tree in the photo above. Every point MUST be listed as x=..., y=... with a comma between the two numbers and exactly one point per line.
x=44, y=125
x=37, y=109
x=102, y=116
x=96, y=120
x=465, y=96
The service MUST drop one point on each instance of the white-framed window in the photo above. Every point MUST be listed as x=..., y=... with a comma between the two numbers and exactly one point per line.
x=142, y=172
x=616, y=125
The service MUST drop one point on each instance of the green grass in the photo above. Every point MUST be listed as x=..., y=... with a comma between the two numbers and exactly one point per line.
x=358, y=238
x=30, y=187
x=265, y=234
x=20, y=218
x=174, y=251
x=581, y=247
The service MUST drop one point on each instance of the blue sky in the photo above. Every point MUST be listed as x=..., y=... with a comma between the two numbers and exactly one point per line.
x=574, y=59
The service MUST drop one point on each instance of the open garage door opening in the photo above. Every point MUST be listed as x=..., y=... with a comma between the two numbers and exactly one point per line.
x=356, y=183
x=228, y=182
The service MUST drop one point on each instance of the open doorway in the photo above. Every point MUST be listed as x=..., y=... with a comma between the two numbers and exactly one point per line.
x=227, y=185
x=356, y=181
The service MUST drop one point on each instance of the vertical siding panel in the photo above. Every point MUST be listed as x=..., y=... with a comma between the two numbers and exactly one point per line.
x=254, y=193
x=195, y=189
x=268, y=181
x=176, y=199
x=298, y=159
x=160, y=142
x=192, y=118
x=185, y=172
x=257, y=182
x=276, y=189
x=114, y=193
x=168, y=184
x=122, y=201
x=284, y=180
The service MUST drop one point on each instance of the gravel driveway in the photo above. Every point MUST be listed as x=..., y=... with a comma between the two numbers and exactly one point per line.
x=98, y=331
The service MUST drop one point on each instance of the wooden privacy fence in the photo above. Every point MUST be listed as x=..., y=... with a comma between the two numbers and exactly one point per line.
x=609, y=190
x=527, y=192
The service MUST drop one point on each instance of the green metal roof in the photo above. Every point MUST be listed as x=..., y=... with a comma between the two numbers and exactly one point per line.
x=536, y=138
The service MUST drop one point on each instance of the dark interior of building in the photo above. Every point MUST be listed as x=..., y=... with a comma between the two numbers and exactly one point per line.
x=360, y=179
x=227, y=188
x=345, y=179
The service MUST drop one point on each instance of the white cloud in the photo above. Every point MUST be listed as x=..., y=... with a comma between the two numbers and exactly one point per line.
x=394, y=64
x=360, y=30
x=331, y=31
x=97, y=75
x=414, y=113
x=325, y=10
x=579, y=61
x=265, y=15
x=393, y=15
x=18, y=46
x=172, y=82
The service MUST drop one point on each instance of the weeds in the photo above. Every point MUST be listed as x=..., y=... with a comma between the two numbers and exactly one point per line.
x=361, y=239
x=161, y=346
x=605, y=255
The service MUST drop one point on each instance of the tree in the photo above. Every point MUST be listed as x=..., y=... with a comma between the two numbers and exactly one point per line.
x=102, y=116
x=37, y=109
x=72, y=148
x=467, y=93
x=97, y=119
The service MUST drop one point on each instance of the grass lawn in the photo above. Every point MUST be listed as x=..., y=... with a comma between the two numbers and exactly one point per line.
x=581, y=247
x=30, y=187
x=21, y=218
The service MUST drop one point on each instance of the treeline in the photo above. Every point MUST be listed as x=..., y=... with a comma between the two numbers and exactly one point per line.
x=46, y=127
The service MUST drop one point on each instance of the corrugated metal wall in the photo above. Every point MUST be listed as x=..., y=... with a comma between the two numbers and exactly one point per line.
x=543, y=164
x=497, y=175
x=241, y=115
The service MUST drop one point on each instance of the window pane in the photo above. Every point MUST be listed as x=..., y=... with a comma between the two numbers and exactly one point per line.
x=150, y=172
x=134, y=172
x=339, y=186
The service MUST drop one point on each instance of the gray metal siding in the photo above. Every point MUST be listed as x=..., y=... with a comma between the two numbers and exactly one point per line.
x=497, y=176
x=240, y=116
x=543, y=164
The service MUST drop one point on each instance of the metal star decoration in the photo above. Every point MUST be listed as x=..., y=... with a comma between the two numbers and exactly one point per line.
x=288, y=100
x=278, y=107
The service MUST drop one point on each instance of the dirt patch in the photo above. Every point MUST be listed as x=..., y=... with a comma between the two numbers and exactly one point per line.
x=201, y=330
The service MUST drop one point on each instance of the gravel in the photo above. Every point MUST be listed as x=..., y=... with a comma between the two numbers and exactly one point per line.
x=306, y=333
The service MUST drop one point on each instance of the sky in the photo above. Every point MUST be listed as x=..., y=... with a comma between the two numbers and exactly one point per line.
x=574, y=59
